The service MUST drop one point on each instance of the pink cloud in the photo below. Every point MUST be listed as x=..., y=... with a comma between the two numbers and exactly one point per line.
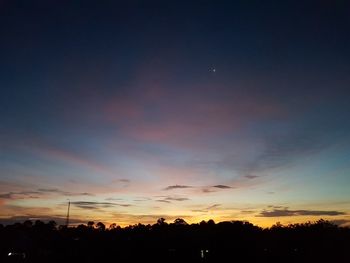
x=158, y=108
x=116, y=109
x=45, y=150
x=75, y=159
x=182, y=121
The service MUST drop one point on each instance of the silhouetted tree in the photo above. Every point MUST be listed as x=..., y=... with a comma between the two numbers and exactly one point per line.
x=39, y=224
x=277, y=225
x=112, y=226
x=319, y=241
x=211, y=222
x=52, y=225
x=180, y=221
x=161, y=221
x=28, y=223
x=100, y=226
x=82, y=227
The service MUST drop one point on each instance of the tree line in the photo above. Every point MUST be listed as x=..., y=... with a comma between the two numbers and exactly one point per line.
x=207, y=241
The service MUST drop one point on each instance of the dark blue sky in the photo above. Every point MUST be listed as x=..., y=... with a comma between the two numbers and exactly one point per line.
x=118, y=100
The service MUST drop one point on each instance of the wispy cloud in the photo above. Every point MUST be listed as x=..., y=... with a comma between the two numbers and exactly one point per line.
x=169, y=199
x=213, y=206
x=221, y=186
x=45, y=218
x=247, y=211
x=204, y=189
x=142, y=199
x=180, y=199
x=215, y=188
x=96, y=205
x=200, y=210
x=21, y=195
x=42, y=148
x=207, y=190
x=114, y=199
x=172, y=187
x=250, y=176
x=208, y=116
x=341, y=222
x=163, y=201
x=61, y=192
x=39, y=193
x=287, y=212
x=207, y=209
x=124, y=180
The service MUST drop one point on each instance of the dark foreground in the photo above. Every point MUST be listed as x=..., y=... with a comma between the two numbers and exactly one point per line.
x=234, y=241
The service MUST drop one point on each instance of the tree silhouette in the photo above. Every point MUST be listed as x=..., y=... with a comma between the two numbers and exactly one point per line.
x=100, y=226
x=180, y=222
x=28, y=223
x=52, y=225
x=319, y=241
x=112, y=226
x=161, y=221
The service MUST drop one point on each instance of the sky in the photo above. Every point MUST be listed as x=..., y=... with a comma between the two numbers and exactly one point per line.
x=136, y=110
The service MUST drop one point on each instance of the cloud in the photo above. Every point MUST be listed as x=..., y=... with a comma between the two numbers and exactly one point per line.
x=207, y=190
x=247, y=211
x=204, y=189
x=169, y=199
x=180, y=199
x=213, y=206
x=185, y=118
x=220, y=186
x=39, y=193
x=45, y=218
x=200, y=210
x=61, y=192
x=287, y=212
x=163, y=201
x=96, y=205
x=21, y=195
x=114, y=199
x=6, y=195
x=124, y=180
x=41, y=148
x=211, y=189
x=341, y=222
x=249, y=176
x=49, y=190
x=172, y=187
x=142, y=199
x=207, y=209
x=281, y=145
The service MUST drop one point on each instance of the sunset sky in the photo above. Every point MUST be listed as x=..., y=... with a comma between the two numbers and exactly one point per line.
x=135, y=110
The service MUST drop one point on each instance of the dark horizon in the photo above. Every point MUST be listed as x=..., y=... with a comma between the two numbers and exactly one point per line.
x=61, y=222
x=136, y=110
x=319, y=241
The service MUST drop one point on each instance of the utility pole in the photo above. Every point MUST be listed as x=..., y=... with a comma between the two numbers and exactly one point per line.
x=67, y=222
